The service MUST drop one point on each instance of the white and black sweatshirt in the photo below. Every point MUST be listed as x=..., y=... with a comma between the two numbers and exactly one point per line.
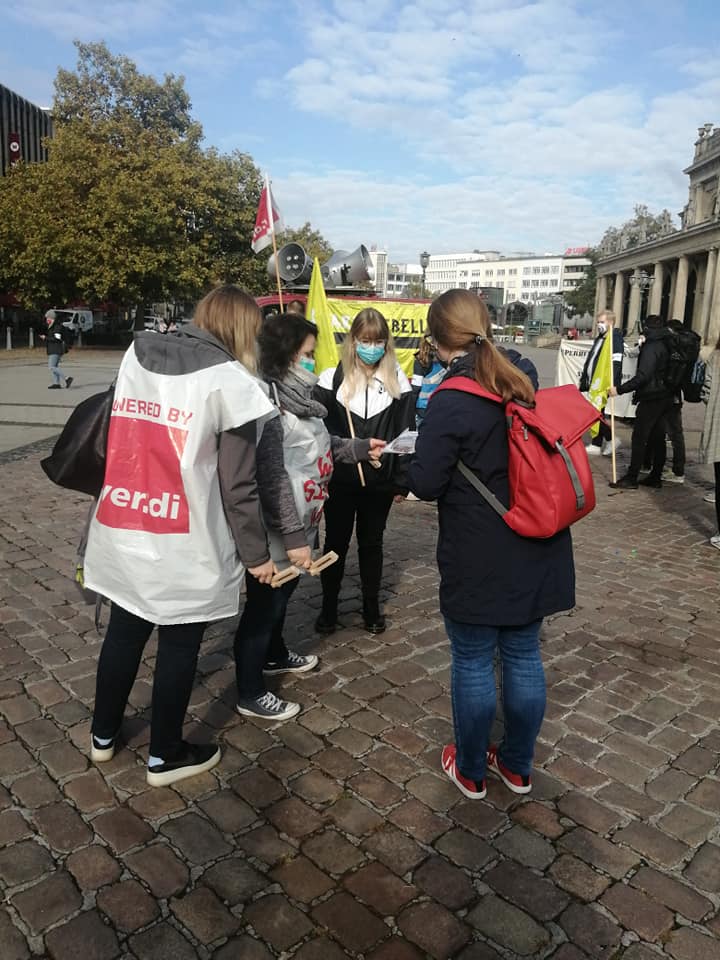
x=375, y=413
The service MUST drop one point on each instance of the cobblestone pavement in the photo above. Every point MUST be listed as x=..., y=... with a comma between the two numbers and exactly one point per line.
x=336, y=835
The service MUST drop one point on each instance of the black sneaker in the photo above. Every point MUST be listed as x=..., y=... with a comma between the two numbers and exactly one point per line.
x=68, y=381
x=100, y=753
x=624, y=483
x=372, y=618
x=325, y=625
x=54, y=386
x=293, y=663
x=194, y=758
x=268, y=707
x=651, y=481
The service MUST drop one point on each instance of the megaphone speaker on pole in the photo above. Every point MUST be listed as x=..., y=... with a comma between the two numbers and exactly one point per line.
x=345, y=269
x=294, y=265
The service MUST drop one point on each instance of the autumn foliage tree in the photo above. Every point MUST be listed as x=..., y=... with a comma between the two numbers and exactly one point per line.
x=130, y=207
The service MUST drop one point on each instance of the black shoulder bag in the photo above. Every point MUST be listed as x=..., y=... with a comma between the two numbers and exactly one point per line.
x=77, y=461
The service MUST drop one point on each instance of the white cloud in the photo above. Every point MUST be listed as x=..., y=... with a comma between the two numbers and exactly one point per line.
x=78, y=19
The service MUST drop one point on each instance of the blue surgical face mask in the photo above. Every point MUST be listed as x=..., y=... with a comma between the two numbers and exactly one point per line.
x=307, y=363
x=370, y=355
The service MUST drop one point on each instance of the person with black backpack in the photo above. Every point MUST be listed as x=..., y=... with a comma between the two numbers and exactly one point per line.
x=654, y=399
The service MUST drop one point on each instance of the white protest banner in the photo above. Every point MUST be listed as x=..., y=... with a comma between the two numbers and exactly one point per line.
x=570, y=361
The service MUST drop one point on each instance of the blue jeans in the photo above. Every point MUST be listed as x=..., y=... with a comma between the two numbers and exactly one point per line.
x=54, y=368
x=474, y=699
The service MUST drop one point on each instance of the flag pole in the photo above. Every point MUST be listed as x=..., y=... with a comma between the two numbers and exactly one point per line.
x=612, y=437
x=271, y=218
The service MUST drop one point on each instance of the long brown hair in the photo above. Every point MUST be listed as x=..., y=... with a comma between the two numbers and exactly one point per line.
x=232, y=316
x=459, y=320
x=372, y=325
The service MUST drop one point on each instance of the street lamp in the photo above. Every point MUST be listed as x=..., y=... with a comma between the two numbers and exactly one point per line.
x=424, y=263
x=643, y=281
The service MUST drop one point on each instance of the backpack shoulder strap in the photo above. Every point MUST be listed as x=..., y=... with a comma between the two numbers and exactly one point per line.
x=484, y=491
x=338, y=377
x=468, y=385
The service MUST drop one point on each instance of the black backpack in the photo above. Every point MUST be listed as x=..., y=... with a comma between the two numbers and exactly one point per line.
x=683, y=352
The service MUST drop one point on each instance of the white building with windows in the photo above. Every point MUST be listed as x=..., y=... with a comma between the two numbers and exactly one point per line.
x=380, y=266
x=403, y=279
x=523, y=276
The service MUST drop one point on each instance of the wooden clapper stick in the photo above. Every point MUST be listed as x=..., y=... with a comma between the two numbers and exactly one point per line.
x=289, y=573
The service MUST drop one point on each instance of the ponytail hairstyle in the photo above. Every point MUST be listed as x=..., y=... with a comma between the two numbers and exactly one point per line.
x=425, y=352
x=231, y=315
x=369, y=324
x=459, y=320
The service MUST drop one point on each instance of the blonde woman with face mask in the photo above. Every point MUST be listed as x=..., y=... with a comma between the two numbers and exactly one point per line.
x=367, y=395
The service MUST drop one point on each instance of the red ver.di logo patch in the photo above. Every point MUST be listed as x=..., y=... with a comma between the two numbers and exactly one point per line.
x=143, y=488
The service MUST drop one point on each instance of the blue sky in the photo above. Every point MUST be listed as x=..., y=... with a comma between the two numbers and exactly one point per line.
x=435, y=125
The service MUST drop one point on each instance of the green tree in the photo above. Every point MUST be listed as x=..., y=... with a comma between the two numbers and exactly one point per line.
x=130, y=208
x=312, y=241
x=582, y=299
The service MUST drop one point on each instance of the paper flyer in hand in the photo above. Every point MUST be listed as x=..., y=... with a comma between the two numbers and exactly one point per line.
x=403, y=444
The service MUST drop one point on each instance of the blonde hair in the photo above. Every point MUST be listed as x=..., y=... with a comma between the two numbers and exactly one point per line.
x=459, y=320
x=232, y=316
x=610, y=316
x=370, y=324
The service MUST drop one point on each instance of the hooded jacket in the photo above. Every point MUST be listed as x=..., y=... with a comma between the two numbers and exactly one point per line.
x=169, y=530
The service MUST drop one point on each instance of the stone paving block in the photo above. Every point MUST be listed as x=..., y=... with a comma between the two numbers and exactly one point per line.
x=434, y=791
x=532, y=893
x=578, y=879
x=697, y=760
x=47, y=692
x=38, y=732
x=632, y=801
x=332, y=852
x=671, y=784
x=162, y=942
x=339, y=764
x=637, y=912
x=526, y=847
x=48, y=901
x=350, y=922
x=482, y=951
x=302, y=880
x=278, y=923
x=353, y=817
x=320, y=949
x=506, y=925
x=159, y=867
x=706, y=794
x=257, y=787
x=86, y=936
x=687, y=824
x=704, y=869
x=579, y=774
x=673, y=894
x=197, y=839
x=234, y=880
x=18, y=710
x=652, y=843
x=380, y=888
x=228, y=812
x=12, y=827
x=450, y=885
x=538, y=817
x=294, y=818
x=396, y=850
x=93, y=867
x=243, y=948
x=14, y=758
x=62, y=759
x=405, y=740
x=281, y=762
x=478, y=817
x=588, y=812
x=204, y=915
x=392, y=764
x=465, y=849
x=14, y=944
x=122, y=829
x=157, y=803
x=265, y=844
x=128, y=906
x=610, y=857
x=591, y=931
x=379, y=791
x=89, y=792
x=688, y=944
x=419, y=821
x=23, y=862
x=315, y=787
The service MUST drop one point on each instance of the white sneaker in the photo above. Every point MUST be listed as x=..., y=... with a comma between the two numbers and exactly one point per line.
x=709, y=497
x=715, y=541
x=671, y=477
x=592, y=450
x=610, y=445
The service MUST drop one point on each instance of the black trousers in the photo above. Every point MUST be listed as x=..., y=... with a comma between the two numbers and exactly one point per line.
x=674, y=430
x=122, y=650
x=259, y=636
x=649, y=432
x=604, y=433
x=368, y=511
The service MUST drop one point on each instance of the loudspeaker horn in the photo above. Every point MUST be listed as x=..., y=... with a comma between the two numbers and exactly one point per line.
x=294, y=265
x=344, y=269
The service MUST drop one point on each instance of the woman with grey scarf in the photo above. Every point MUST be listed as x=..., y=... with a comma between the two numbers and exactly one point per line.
x=305, y=458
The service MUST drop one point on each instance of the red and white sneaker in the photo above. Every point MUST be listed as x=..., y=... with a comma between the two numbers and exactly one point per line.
x=513, y=781
x=471, y=789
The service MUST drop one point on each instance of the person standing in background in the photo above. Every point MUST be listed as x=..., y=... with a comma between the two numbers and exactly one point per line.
x=602, y=443
x=57, y=343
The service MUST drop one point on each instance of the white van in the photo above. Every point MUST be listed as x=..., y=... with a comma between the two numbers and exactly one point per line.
x=76, y=319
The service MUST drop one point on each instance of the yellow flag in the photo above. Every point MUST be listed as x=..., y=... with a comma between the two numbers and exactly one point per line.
x=318, y=312
x=602, y=379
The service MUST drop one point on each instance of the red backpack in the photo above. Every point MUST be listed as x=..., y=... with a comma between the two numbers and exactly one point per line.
x=551, y=485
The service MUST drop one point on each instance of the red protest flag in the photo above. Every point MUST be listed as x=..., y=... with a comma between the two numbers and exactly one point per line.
x=268, y=221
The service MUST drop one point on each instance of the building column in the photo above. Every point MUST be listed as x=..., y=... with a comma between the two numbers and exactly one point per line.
x=633, y=323
x=657, y=288
x=600, y=295
x=708, y=293
x=713, y=331
x=619, y=298
x=678, y=303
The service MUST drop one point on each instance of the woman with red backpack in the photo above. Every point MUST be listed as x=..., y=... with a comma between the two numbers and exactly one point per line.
x=495, y=585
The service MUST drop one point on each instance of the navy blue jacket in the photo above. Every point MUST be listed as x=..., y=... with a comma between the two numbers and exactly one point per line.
x=488, y=574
